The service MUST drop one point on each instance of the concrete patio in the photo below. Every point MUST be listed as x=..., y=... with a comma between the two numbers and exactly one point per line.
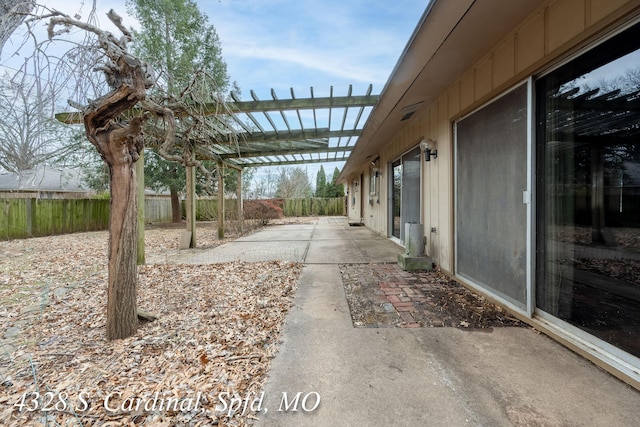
x=410, y=377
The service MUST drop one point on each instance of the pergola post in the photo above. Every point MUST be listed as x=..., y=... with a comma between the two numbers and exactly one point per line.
x=140, y=182
x=220, y=201
x=191, y=202
x=240, y=203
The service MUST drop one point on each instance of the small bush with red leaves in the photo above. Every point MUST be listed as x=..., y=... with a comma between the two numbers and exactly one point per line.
x=263, y=210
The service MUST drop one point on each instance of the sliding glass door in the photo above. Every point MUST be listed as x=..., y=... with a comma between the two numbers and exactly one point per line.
x=396, y=197
x=589, y=192
x=405, y=192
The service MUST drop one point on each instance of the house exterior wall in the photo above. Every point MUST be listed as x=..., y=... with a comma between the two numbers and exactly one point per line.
x=554, y=31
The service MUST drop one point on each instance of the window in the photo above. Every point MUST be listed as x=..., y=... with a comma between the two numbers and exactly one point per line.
x=588, y=142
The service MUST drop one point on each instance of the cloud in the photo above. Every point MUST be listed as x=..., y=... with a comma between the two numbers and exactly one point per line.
x=331, y=64
x=266, y=42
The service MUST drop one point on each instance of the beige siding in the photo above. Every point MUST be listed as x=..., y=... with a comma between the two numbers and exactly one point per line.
x=483, y=78
x=504, y=64
x=467, y=89
x=597, y=10
x=536, y=43
x=565, y=20
x=530, y=42
x=454, y=100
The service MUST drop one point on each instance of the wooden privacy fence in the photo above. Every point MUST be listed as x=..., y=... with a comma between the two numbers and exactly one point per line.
x=315, y=206
x=20, y=218
x=30, y=217
x=207, y=209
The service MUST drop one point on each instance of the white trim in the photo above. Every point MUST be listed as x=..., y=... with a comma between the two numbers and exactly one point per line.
x=531, y=205
x=601, y=350
x=397, y=241
x=455, y=197
x=422, y=188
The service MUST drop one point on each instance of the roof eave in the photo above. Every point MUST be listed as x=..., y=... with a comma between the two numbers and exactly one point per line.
x=449, y=38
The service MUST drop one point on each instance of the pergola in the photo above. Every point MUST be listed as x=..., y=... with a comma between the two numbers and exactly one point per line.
x=294, y=130
x=274, y=132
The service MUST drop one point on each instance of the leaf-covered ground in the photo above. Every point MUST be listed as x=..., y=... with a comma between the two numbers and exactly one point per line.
x=217, y=330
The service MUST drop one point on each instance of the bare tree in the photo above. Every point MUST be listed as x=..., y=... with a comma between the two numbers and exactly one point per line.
x=28, y=136
x=293, y=183
x=29, y=98
x=12, y=14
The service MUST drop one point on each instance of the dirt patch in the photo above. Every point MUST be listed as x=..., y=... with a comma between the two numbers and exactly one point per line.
x=383, y=295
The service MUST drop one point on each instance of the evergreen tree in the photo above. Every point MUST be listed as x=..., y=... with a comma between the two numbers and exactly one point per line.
x=178, y=42
x=334, y=189
x=321, y=183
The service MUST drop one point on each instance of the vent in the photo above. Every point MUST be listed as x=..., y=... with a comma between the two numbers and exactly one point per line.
x=408, y=111
x=407, y=116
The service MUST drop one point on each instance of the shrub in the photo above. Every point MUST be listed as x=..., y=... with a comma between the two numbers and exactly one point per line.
x=262, y=210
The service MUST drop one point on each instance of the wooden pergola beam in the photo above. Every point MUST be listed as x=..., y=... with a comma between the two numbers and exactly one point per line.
x=266, y=153
x=294, y=104
x=251, y=163
x=297, y=135
x=264, y=106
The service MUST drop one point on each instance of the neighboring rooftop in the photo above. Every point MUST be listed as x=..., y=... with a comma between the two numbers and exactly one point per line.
x=44, y=178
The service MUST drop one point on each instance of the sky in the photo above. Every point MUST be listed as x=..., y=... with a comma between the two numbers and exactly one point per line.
x=283, y=44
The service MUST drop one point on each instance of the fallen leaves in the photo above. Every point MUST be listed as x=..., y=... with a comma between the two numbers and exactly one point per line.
x=217, y=329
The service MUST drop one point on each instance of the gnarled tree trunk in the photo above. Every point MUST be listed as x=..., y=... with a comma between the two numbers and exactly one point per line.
x=122, y=319
x=120, y=144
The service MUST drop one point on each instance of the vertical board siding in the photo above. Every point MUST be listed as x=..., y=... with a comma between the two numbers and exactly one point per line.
x=537, y=41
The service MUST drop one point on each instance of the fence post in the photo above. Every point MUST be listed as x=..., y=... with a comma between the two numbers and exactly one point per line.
x=31, y=213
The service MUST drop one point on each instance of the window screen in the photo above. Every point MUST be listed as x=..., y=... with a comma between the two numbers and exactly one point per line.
x=491, y=175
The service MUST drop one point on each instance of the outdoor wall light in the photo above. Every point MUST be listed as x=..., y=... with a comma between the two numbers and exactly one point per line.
x=428, y=147
x=375, y=169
